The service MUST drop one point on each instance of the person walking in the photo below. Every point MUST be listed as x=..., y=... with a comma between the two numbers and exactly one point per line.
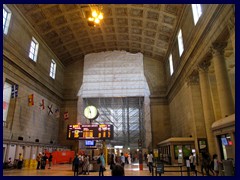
x=126, y=158
x=122, y=160
x=192, y=163
x=215, y=165
x=112, y=161
x=145, y=157
x=129, y=159
x=50, y=161
x=86, y=165
x=81, y=161
x=43, y=161
x=9, y=163
x=20, y=161
x=102, y=165
x=150, y=161
x=39, y=156
x=76, y=165
x=206, y=163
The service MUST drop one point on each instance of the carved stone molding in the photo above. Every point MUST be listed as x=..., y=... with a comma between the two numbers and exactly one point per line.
x=193, y=78
x=231, y=24
x=204, y=65
x=217, y=48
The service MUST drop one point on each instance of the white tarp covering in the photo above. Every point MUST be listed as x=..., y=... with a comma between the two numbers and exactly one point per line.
x=115, y=74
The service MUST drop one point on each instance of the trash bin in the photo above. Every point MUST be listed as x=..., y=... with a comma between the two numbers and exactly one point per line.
x=228, y=168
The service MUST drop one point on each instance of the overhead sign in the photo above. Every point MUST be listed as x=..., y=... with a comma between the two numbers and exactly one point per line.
x=90, y=131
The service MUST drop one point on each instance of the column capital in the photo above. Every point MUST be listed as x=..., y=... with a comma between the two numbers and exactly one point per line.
x=231, y=24
x=204, y=65
x=218, y=48
x=193, y=78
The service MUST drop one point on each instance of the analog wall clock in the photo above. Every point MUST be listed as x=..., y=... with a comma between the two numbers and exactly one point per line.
x=91, y=112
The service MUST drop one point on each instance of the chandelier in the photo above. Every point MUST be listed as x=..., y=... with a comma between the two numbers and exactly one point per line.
x=96, y=15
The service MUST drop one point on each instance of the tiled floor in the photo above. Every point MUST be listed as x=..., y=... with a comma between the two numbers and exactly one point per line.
x=66, y=170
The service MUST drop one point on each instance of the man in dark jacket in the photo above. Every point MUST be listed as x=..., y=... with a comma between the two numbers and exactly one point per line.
x=112, y=160
x=50, y=161
x=76, y=165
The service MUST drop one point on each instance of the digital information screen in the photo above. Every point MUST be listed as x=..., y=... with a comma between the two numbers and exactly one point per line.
x=90, y=131
x=90, y=143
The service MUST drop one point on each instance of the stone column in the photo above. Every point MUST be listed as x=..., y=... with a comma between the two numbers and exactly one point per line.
x=222, y=79
x=207, y=104
x=231, y=28
x=197, y=108
x=195, y=102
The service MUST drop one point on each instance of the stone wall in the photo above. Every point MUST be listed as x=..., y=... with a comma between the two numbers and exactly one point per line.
x=30, y=122
x=160, y=120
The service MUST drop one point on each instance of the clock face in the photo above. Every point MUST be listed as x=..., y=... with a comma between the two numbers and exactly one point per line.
x=91, y=112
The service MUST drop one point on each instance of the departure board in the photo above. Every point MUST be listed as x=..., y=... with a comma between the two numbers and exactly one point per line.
x=90, y=131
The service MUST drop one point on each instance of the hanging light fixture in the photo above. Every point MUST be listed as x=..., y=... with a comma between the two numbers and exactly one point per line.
x=96, y=15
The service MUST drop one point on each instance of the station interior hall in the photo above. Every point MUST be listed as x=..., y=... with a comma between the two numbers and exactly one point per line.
x=132, y=79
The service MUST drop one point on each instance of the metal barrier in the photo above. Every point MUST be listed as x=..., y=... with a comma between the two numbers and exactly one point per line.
x=159, y=169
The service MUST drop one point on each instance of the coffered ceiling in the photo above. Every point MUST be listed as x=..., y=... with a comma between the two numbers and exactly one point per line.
x=146, y=28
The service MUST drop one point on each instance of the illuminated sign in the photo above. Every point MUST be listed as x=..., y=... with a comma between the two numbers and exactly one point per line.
x=90, y=143
x=90, y=131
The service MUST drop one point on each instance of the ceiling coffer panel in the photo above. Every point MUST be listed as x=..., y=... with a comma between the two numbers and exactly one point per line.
x=146, y=28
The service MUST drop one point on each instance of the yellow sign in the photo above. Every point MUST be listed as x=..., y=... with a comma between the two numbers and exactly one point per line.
x=155, y=152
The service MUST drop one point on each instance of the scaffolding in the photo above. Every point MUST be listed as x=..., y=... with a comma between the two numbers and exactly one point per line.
x=114, y=82
x=126, y=116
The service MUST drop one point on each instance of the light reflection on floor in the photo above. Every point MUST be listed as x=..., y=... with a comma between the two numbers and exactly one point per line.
x=66, y=170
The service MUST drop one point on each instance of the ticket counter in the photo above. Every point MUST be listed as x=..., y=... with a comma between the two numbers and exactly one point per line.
x=175, y=150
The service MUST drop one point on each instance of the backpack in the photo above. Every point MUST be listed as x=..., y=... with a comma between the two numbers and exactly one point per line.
x=98, y=160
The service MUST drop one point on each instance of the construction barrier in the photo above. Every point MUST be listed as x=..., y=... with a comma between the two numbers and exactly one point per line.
x=25, y=162
x=62, y=156
x=33, y=164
